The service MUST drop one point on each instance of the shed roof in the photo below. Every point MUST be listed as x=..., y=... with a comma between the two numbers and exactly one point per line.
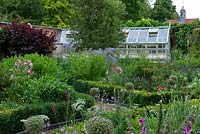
x=147, y=35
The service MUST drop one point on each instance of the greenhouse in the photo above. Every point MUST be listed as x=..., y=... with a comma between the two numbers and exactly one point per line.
x=153, y=42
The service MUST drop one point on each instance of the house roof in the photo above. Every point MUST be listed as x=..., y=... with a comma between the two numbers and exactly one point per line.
x=61, y=34
x=191, y=20
x=148, y=35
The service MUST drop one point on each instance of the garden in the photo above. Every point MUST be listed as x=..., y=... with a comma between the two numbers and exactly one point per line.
x=90, y=89
x=72, y=93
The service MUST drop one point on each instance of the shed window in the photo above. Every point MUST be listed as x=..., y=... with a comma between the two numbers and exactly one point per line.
x=153, y=32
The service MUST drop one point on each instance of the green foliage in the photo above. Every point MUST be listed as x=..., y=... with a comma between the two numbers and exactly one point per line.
x=195, y=43
x=164, y=9
x=94, y=22
x=57, y=112
x=57, y=13
x=143, y=73
x=144, y=23
x=85, y=65
x=99, y=125
x=182, y=33
x=42, y=65
x=21, y=39
x=137, y=9
x=175, y=117
x=14, y=9
x=76, y=128
x=141, y=98
x=45, y=82
x=129, y=86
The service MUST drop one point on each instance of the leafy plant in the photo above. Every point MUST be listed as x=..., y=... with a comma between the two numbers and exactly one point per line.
x=85, y=65
x=35, y=124
x=99, y=125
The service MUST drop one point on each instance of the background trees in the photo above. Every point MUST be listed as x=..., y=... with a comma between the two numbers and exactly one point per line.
x=97, y=22
x=30, y=10
x=137, y=9
x=58, y=13
x=164, y=9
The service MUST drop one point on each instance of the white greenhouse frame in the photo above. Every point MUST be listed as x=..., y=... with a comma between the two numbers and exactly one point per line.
x=153, y=42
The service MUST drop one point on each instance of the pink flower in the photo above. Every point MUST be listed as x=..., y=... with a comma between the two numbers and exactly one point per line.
x=30, y=71
x=25, y=62
x=31, y=64
x=160, y=88
x=18, y=62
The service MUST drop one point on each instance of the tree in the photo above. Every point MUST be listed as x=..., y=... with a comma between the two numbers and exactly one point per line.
x=137, y=9
x=164, y=9
x=97, y=22
x=58, y=13
x=31, y=10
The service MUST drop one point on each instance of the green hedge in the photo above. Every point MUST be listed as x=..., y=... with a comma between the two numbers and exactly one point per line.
x=10, y=118
x=128, y=97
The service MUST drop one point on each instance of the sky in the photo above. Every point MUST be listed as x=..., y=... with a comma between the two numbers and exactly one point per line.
x=191, y=6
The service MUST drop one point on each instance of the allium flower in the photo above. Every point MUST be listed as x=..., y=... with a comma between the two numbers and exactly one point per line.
x=118, y=69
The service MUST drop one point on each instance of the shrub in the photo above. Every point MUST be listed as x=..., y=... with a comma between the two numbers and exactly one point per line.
x=143, y=73
x=87, y=66
x=129, y=86
x=94, y=91
x=35, y=124
x=21, y=39
x=195, y=49
x=174, y=77
x=128, y=97
x=99, y=125
x=57, y=112
x=171, y=82
x=41, y=65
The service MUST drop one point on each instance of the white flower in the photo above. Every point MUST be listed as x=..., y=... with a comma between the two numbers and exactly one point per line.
x=79, y=105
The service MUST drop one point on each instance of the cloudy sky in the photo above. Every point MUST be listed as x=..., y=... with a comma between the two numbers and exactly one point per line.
x=191, y=6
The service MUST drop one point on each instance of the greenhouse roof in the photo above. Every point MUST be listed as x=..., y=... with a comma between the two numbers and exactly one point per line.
x=142, y=35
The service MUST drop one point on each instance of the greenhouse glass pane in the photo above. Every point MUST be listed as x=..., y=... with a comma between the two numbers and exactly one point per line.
x=163, y=33
x=132, y=37
x=143, y=36
x=162, y=39
x=152, y=39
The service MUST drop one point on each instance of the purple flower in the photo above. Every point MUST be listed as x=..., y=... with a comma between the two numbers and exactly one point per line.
x=62, y=129
x=111, y=49
x=187, y=129
x=68, y=46
x=144, y=130
x=141, y=121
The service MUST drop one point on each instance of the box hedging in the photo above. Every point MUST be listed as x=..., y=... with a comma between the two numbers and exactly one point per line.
x=10, y=118
x=129, y=97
